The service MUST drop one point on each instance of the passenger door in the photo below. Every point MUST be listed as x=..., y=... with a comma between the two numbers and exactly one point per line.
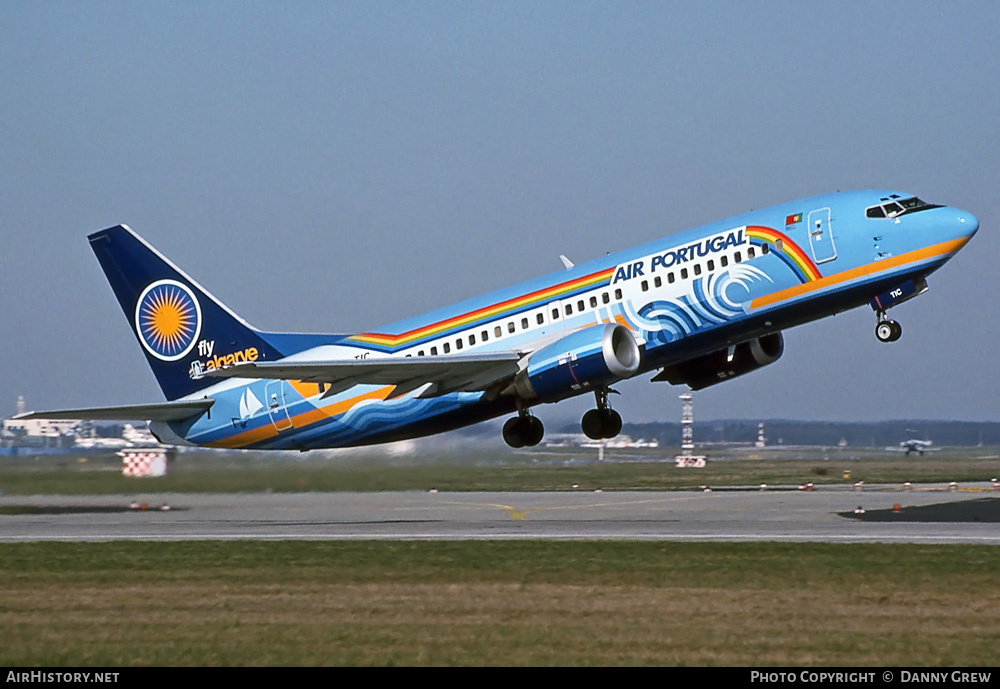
x=821, y=235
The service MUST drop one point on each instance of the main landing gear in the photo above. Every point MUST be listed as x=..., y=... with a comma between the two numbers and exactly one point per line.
x=603, y=422
x=887, y=330
x=523, y=430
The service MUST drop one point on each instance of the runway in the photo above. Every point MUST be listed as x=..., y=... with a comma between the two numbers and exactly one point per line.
x=929, y=514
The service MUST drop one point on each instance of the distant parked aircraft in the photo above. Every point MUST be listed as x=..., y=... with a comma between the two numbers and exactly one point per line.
x=918, y=446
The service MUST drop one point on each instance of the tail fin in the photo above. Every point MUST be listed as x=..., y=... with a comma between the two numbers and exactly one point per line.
x=183, y=330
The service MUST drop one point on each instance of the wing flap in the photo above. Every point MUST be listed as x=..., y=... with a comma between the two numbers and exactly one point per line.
x=162, y=411
x=470, y=373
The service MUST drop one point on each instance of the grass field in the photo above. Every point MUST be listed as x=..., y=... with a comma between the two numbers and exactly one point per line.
x=498, y=603
x=477, y=470
x=494, y=603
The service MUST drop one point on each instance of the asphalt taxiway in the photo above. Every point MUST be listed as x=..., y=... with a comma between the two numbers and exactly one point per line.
x=925, y=514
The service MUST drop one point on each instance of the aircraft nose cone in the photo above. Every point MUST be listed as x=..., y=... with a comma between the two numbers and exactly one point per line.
x=967, y=223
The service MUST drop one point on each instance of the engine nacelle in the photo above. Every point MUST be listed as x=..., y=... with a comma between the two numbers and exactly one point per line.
x=592, y=357
x=717, y=367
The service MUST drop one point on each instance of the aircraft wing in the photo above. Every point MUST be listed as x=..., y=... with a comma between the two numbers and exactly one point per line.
x=163, y=411
x=439, y=374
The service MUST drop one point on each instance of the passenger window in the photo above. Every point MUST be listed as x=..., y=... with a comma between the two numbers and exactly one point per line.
x=555, y=314
x=458, y=343
x=434, y=350
x=697, y=269
x=711, y=264
x=472, y=340
x=645, y=286
x=580, y=306
x=684, y=273
x=618, y=293
x=724, y=261
x=510, y=327
x=593, y=302
x=420, y=353
x=670, y=277
x=485, y=335
x=497, y=332
x=764, y=248
x=605, y=298
x=657, y=281
x=738, y=257
x=447, y=348
x=751, y=253
x=540, y=318
x=569, y=309
x=524, y=324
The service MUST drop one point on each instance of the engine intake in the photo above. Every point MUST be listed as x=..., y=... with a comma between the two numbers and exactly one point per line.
x=703, y=371
x=592, y=357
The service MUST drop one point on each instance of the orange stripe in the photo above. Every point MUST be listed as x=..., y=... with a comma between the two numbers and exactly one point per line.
x=300, y=420
x=868, y=269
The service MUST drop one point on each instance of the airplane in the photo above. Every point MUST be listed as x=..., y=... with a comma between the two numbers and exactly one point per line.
x=919, y=447
x=915, y=445
x=696, y=308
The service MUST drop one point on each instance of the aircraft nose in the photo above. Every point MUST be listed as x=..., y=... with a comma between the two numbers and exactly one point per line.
x=966, y=223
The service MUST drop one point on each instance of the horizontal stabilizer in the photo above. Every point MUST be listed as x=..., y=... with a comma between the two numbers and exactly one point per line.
x=162, y=411
x=471, y=373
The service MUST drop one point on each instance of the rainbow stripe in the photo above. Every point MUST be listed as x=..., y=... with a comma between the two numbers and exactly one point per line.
x=789, y=251
x=502, y=309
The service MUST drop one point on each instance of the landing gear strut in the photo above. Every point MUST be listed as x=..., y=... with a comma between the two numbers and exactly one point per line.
x=887, y=330
x=603, y=422
x=523, y=430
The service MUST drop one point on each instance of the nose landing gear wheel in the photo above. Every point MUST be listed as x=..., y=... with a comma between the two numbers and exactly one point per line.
x=888, y=331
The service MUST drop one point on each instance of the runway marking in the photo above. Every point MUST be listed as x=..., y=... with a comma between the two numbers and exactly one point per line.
x=990, y=539
x=520, y=515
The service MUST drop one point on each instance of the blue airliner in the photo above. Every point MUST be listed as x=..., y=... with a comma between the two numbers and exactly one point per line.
x=695, y=309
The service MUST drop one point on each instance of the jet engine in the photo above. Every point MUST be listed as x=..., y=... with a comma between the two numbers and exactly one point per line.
x=595, y=356
x=721, y=365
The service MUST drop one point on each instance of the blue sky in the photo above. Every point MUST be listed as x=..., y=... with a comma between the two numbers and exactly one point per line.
x=335, y=166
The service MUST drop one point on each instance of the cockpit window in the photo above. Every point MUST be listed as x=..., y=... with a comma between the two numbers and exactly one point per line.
x=891, y=208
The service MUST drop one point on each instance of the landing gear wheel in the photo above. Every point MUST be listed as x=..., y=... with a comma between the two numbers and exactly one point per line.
x=512, y=433
x=598, y=424
x=523, y=431
x=593, y=424
x=612, y=422
x=888, y=331
x=897, y=331
x=532, y=431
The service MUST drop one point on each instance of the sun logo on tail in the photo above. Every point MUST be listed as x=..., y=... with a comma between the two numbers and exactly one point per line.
x=168, y=320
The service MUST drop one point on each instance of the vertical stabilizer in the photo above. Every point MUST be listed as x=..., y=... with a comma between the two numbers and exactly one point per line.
x=182, y=329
